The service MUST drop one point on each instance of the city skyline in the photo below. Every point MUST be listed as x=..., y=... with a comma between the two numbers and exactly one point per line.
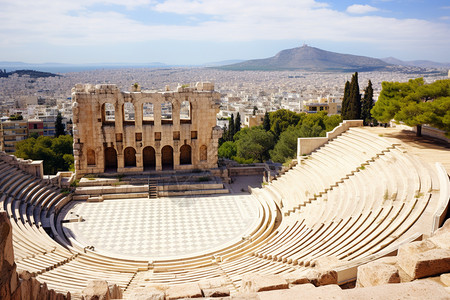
x=185, y=32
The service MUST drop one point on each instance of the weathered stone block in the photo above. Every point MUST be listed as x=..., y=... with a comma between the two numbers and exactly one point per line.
x=189, y=290
x=254, y=282
x=148, y=293
x=422, y=259
x=445, y=279
x=301, y=276
x=377, y=273
x=96, y=290
x=441, y=237
x=214, y=287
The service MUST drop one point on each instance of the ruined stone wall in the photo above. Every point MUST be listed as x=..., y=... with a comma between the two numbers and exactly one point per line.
x=21, y=286
x=108, y=138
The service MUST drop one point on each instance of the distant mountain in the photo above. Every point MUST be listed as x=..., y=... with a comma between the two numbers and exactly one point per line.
x=31, y=73
x=416, y=63
x=311, y=59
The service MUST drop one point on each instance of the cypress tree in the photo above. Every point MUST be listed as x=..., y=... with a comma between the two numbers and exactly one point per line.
x=345, y=101
x=266, y=122
x=231, y=130
x=237, y=123
x=367, y=104
x=59, y=127
x=354, y=108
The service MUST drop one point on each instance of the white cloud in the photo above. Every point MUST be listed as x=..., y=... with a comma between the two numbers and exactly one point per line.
x=361, y=9
x=76, y=23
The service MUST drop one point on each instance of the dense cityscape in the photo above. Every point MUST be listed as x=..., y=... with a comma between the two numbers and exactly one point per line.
x=241, y=91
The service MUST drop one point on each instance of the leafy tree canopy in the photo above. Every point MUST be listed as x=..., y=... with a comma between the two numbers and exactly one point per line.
x=254, y=143
x=415, y=103
x=227, y=150
x=57, y=153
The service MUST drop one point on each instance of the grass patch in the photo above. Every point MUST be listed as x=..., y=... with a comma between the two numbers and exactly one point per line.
x=65, y=191
x=381, y=135
x=75, y=183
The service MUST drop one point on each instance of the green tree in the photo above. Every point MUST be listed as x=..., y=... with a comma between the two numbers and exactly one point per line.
x=354, y=111
x=286, y=147
x=59, y=126
x=227, y=150
x=367, y=104
x=415, y=103
x=346, y=101
x=231, y=129
x=331, y=122
x=285, y=118
x=266, y=122
x=237, y=123
x=254, y=143
x=255, y=108
x=225, y=135
x=57, y=153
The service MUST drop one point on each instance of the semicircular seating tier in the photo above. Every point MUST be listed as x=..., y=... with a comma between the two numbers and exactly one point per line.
x=356, y=198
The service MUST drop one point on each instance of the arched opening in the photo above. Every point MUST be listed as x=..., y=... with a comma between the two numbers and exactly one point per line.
x=185, y=155
x=166, y=113
x=110, y=160
x=90, y=157
x=108, y=113
x=149, y=158
x=128, y=113
x=167, y=158
x=148, y=116
x=185, y=112
x=203, y=152
x=129, y=155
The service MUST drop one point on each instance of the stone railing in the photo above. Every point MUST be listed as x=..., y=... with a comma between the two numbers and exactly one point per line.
x=307, y=145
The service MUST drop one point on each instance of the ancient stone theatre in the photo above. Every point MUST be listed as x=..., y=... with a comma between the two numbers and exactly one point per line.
x=127, y=132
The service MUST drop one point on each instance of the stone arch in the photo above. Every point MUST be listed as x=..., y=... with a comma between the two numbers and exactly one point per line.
x=108, y=113
x=90, y=157
x=110, y=159
x=167, y=157
x=129, y=157
x=203, y=152
x=149, y=158
x=185, y=155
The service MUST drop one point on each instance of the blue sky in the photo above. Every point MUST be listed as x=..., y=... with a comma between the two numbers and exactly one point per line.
x=200, y=31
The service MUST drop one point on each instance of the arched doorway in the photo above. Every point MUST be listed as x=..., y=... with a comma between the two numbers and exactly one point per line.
x=167, y=158
x=149, y=158
x=110, y=160
x=129, y=156
x=185, y=155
